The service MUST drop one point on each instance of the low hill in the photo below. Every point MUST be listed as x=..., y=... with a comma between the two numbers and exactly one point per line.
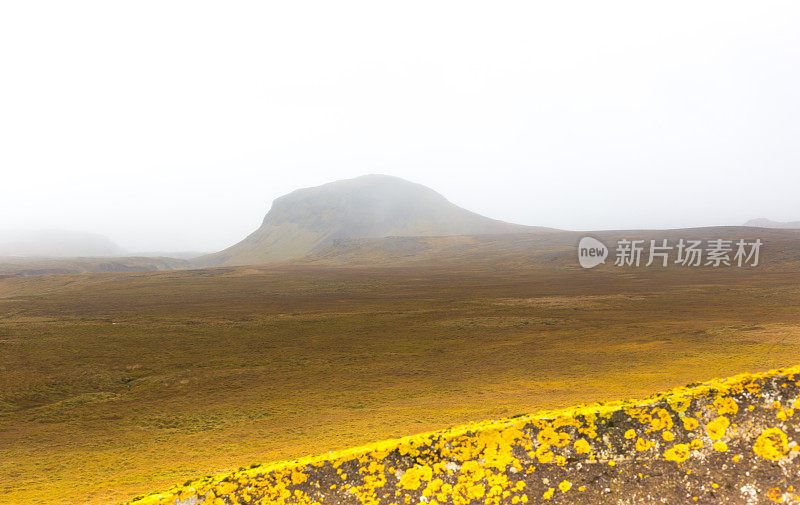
x=727, y=441
x=365, y=207
x=768, y=223
x=26, y=267
x=547, y=249
x=56, y=244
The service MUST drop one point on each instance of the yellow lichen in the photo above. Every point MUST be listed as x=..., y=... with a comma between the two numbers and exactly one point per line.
x=552, y=437
x=582, y=446
x=660, y=420
x=414, y=476
x=716, y=428
x=678, y=453
x=643, y=445
x=543, y=454
x=726, y=405
x=681, y=403
x=775, y=494
x=477, y=491
x=772, y=444
x=472, y=470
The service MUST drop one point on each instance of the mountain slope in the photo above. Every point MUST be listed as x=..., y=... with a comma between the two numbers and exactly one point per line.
x=370, y=206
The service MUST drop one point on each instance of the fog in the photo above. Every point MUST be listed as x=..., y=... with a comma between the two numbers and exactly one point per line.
x=173, y=125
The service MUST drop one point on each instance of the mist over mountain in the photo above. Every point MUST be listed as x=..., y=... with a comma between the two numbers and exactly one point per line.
x=768, y=223
x=56, y=244
x=369, y=206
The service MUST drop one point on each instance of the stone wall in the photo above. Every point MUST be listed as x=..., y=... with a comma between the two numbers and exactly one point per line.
x=729, y=441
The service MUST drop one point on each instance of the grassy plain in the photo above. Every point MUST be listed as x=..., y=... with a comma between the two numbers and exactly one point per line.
x=117, y=384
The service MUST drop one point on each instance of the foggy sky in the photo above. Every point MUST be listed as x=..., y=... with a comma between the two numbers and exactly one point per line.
x=173, y=125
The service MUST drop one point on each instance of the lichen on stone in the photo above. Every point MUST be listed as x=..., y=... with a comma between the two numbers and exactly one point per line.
x=716, y=442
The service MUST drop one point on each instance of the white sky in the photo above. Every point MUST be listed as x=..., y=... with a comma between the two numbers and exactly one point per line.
x=172, y=125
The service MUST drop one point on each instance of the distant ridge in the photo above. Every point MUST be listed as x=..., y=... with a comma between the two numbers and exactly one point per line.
x=554, y=249
x=768, y=223
x=370, y=206
x=27, y=267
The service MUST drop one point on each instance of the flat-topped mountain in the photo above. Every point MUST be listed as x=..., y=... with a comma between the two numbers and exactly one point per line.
x=370, y=206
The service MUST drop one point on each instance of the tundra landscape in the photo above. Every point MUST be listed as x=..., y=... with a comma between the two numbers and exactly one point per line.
x=399, y=253
x=119, y=384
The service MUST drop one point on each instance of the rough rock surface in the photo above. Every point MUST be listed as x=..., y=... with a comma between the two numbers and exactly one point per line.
x=729, y=441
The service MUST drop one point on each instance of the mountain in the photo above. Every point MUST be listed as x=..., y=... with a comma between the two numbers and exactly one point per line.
x=370, y=206
x=768, y=223
x=56, y=244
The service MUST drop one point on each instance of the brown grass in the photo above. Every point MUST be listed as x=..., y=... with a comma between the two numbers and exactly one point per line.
x=117, y=384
